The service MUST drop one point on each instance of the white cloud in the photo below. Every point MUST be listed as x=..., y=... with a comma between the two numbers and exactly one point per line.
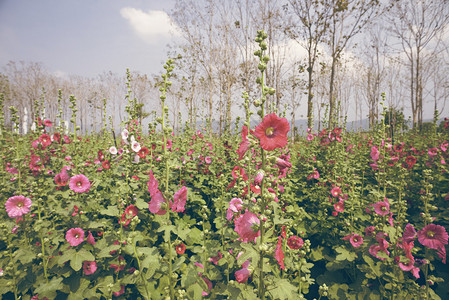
x=151, y=26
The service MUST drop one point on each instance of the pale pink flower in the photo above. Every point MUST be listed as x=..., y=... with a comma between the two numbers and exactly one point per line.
x=244, y=226
x=79, y=184
x=135, y=146
x=113, y=150
x=75, y=236
x=17, y=206
x=155, y=204
x=179, y=200
x=235, y=205
x=208, y=160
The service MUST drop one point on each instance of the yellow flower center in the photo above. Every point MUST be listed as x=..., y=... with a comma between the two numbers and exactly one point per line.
x=430, y=234
x=77, y=236
x=79, y=183
x=20, y=204
x=269, y=131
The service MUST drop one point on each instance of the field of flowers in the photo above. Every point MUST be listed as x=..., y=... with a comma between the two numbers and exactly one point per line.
x=148, y=214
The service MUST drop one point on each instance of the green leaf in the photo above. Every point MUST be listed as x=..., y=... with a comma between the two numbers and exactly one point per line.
x=344, y=254
x=49, y=289
x=112, y=211
x=24, y=255
x=105, y=251
x=77, y=260
x=283, y=289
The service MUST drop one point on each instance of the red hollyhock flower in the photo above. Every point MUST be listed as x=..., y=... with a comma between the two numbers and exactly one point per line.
x=45, y=140
x=180, y=249
x=106, y=164
x=295, y=242
x=272, y=132
x=143, y=152
x=244, y=144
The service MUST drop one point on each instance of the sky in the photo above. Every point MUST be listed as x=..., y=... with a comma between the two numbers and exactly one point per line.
x=86, y=37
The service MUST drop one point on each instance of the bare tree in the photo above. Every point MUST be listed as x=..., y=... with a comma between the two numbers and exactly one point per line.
x=419, y=26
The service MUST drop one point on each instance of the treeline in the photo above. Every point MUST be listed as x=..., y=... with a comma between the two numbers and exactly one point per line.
x=327, y=59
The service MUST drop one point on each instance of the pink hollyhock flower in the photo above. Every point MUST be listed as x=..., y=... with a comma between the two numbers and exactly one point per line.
x=279, y=254
x=259, y=177
x=382, y=208
x=62, y=178
x=272, y=132
x=339, y=206
x=179, y=200
x=17, y=206
x=244, y=144
x=89, y=267
x=244, y=226
x=152, y=185
x=48, y=123
x=336, y=191
x=369, y=230
x=356, y=240
x=235, y=205
x=433, y=236
x=409, y=233
x=432, y=151
x=45, y=140
x=74, y=236
x=375, y=153
x=90, y=239
x=208, y=283
x=282, y=164
x=79, y=184
x=442, y=253
x=295, y=242
x=382, y=247
x=216, y=259
x=208, y=160
x=155, y=204
x=310, y=137
x=242, y=275
x=238, y=172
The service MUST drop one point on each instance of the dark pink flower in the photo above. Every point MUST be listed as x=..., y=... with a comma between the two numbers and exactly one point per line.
x=409, y=233
x=89, y=267
x=62, y=178
x=90, y=238
x=244, y=226
x=433, y=236
x=244, y=144
x=242, y=275
x=75, y=236
x=272, y=132
x=155, y=204
x=336, y=191
x=45, y=140
x=369, y=230
x=356, y=240
x=152, y=185
x=339, y=206
x=17, y=206
x=295, y=242
x=382, y=208
x=279, y=254
x=179, y=200
x=79, y=184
